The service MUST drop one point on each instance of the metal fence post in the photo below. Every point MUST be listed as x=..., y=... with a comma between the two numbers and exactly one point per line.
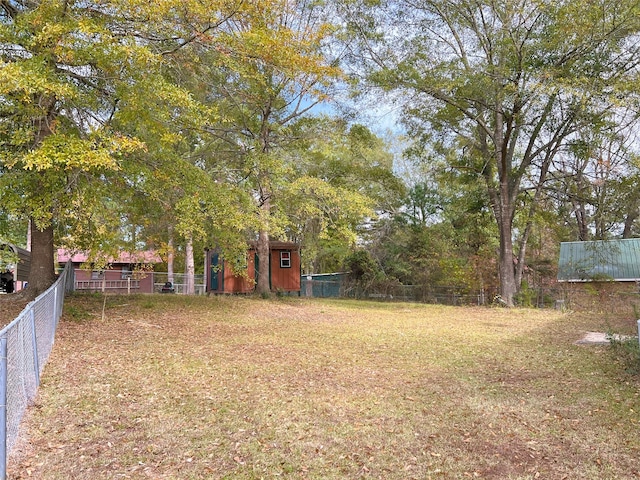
x=34, y=341
x=55, y=306
x=638, y=331
x=3, y=408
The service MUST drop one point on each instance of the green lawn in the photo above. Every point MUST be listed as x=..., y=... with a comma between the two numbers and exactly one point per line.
x=171, y=387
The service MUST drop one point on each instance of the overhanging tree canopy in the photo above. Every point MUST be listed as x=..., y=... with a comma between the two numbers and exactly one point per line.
x=80, y=84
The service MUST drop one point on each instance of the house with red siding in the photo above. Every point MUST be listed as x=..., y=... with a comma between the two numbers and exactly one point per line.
x=284, y=274
x=129, y=272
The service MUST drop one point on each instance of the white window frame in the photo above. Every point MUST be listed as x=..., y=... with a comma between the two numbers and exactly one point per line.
x=285, y=259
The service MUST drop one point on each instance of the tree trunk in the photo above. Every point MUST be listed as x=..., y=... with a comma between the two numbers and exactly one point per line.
x=170, y=257
x=582, y=219
x=41, y=271
x=190, y=288
x=628, y=223
x=524, y=238
x=503, y=206
x=263, y=287
x=508, y=286
x=29, y=236
x=582, y=222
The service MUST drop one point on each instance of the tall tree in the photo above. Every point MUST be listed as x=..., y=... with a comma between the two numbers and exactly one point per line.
x=274, y=69
x=596, y=181
x=501, y=86
x=341, y=177
x=87, y=110
x=68, y=70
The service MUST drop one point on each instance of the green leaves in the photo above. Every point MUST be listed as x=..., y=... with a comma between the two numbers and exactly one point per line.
x=80, y=99
x=499, y=90
x=26, y=79
x=337, y=209
x=70, y=152
x=122, y=119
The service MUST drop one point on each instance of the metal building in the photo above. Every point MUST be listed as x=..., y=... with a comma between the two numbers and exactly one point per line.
x=617, y=260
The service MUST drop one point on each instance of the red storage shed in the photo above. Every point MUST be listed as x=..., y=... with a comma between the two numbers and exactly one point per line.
x=284, y=274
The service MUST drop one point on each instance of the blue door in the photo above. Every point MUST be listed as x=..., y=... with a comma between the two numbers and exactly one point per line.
x=215, y=272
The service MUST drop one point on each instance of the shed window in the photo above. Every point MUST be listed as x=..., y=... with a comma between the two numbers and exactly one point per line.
x=285, y=259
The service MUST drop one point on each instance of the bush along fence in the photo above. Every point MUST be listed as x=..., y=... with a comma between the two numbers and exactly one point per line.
x=25, y=345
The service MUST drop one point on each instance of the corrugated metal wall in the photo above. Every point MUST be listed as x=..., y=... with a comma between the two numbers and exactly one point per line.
x=599, y=260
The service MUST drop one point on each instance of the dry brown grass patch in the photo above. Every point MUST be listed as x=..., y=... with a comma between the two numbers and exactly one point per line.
x=169, y=387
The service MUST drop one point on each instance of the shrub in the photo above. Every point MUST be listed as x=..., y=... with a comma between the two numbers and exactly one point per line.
x=625, y=351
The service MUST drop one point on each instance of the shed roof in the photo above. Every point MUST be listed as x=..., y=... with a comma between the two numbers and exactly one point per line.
x=598, y=260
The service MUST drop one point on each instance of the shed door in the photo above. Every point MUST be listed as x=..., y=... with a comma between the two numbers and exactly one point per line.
x=215, y=272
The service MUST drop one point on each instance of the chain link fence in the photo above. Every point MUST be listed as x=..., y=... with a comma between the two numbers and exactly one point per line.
x=337, y=285
x=418, y=293
x=179, y=282
x=25, y=345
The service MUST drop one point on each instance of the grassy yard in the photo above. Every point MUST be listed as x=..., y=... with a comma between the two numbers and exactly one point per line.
x=170, y=387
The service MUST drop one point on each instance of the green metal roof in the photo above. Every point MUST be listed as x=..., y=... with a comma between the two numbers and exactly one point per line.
x=600, y=260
